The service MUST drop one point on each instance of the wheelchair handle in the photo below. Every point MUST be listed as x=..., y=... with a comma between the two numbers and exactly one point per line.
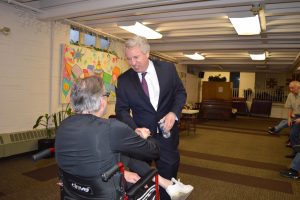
x=43, y=154
x=109, y=173
x=131, y=192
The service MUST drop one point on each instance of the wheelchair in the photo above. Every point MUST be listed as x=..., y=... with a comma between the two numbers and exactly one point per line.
x=91, y=188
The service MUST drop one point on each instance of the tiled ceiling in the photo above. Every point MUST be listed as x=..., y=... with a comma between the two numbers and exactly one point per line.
x=195, y=26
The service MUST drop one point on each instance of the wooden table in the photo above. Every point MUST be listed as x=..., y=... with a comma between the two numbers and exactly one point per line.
x=188, y=120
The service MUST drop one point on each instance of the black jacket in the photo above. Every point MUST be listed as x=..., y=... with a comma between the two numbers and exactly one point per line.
x=86, y=145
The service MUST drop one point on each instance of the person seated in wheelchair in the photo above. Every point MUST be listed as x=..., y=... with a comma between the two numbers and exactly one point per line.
x=87, y=145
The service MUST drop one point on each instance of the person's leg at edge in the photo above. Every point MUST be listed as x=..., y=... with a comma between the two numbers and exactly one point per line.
x=295, y=164
x=282, y=124
x=294, y=134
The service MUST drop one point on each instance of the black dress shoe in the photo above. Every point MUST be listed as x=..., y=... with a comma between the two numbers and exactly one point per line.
x=297, y=148
x=290, y=173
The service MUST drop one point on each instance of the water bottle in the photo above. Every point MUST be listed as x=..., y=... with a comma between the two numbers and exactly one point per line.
x=161, y=127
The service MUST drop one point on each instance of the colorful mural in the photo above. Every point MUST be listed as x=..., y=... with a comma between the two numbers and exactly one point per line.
x=83, y=62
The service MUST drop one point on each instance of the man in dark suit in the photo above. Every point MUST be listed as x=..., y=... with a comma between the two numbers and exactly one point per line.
x=161, y=101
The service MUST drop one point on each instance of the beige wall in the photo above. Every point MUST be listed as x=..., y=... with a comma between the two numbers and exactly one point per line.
x=27, y=74
x=31, y=68
x=181, y=68
x=191, y=84
x=262, y=77
x=247, y=80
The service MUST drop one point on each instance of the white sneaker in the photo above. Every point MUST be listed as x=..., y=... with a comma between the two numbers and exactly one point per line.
x=179, y=191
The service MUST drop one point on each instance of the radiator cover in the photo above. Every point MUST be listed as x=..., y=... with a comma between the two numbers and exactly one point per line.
x=21, y=142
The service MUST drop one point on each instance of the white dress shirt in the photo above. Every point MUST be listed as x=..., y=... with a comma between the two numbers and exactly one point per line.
x=153, y=85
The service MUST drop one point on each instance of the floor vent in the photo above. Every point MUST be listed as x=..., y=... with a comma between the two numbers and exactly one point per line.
x=20, y=142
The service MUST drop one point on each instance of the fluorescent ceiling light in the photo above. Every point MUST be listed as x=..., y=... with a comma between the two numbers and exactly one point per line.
x=195, y=56
x=258, y=56
x=246, y=25
x=141, y=30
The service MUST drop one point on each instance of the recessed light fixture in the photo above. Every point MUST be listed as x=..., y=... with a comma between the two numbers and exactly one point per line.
x=195, y=56
x=258, y=55
x=140, y=29
x=246, y=25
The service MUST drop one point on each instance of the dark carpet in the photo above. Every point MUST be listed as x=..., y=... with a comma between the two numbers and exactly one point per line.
x=262, y=183
x=223, y=160
x=235, y=161
x=43, y=174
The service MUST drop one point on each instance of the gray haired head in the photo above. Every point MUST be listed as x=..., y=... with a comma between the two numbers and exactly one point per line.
x=140, y=42
x=86, y=94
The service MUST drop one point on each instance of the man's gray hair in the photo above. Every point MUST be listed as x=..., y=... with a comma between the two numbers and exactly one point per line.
x=86, y=94
x=140, y=42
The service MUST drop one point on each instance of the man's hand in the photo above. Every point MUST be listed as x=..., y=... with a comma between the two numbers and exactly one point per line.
x=296, y=121
x=169, y=120
x=143, y=132
x=131, y=177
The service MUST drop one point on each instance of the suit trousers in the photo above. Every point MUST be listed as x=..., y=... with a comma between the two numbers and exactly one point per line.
x=168, y=162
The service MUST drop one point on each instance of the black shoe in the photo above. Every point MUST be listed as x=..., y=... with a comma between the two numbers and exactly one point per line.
x=292, y=155
x=297, y=148
x=271, y=128
x=271, y=131
x=290, y=173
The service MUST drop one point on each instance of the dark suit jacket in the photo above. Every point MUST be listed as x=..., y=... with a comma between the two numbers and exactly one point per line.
x=131, y=97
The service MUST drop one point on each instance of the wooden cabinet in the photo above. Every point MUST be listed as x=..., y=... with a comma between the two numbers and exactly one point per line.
x=216, y=91
x=216, y=100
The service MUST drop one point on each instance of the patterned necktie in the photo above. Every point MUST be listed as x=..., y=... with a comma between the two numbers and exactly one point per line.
x=144, y=84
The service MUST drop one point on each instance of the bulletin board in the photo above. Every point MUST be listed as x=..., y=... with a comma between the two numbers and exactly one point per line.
x=82, y=62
